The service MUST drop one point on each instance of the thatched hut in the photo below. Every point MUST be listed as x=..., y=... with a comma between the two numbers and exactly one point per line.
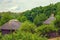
x=10, y=26
x=50, y=19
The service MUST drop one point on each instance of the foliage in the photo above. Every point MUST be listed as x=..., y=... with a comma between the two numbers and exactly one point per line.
x=22, y=36
x=44, y=29
x=27, y=27
x=22, y=18
x=57, y=21
x=39, y=19
x=32, y=27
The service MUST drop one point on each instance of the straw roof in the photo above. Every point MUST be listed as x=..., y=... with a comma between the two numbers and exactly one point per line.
x=12, y=24
x=50, y=19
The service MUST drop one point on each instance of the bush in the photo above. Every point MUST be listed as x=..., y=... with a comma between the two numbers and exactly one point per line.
x=27, y=36
x=45, y=29
x=27, y=27
x=57, y=21
x=39, y=19
x=19, y=35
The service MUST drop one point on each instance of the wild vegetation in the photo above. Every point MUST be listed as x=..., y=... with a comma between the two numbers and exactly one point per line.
x=32, y=27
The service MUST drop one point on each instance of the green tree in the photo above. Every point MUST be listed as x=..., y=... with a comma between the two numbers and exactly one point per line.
x=22, y=18
x=57, y=21
x=39, y=19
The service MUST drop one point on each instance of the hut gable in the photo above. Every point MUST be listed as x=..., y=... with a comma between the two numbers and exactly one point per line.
x=49, y=20
x=12, y=24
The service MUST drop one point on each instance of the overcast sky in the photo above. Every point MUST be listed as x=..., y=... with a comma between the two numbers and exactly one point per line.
x=22, y=5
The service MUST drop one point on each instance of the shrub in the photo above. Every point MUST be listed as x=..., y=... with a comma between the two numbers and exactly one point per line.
x=44, y=29
x=19, y=35
x=27, y=36
x=27, y=27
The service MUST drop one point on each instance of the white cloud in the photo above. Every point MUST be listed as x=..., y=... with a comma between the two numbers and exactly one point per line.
x=22, y=5
x=13, y=8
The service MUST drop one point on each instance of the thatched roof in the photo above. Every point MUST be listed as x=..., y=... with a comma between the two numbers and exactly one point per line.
x=12, y=24
x=50, y=19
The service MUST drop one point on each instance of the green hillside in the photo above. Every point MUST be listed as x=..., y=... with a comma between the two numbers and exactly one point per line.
x=32, y=27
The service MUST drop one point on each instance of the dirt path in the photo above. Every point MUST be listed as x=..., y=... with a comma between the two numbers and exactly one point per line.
x=57, y=38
